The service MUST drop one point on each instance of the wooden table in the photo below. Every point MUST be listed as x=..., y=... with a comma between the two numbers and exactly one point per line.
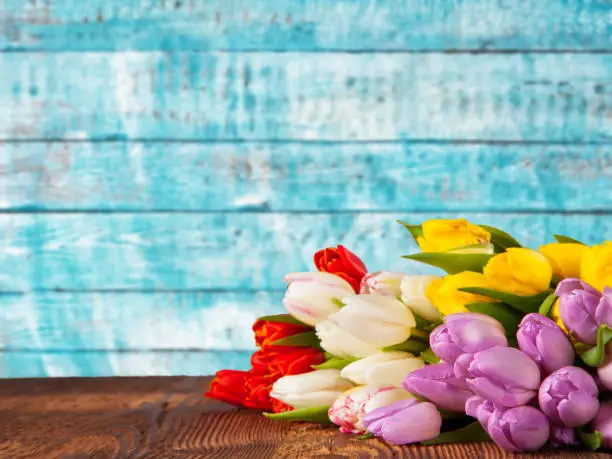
x=165, y=417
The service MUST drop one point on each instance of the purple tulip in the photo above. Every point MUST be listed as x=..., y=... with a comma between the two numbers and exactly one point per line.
x=569, y=397
x=523, y=428
x=479, y=408
x=563, y=436
x=504, y=375
x=544, y=341
x=438, y=384
x=603, y=423
x=583, y=309
x=466, y=332
x=406, y=421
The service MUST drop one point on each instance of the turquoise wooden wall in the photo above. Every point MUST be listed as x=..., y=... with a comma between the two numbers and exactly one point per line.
x=163, y=163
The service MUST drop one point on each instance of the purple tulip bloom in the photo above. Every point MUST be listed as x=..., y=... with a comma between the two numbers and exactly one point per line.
x=406, y=421
x=583, y=309
x=563, y=436
x=479, y=408
x=603, y=423
x=438, y=384
x=569, y=397
x=523, y=428
x=466, y=332
x=504, y=375
x=544, y=341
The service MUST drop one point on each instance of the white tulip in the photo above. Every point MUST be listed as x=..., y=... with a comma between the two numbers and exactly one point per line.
x=317, y=388
x=365, y=325
x=382, y=283
x=349, y=410
x=383, y=369
x=413, y=295
x=310, y=296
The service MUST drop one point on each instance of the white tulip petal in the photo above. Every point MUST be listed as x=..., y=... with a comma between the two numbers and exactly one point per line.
x=340, y=343
x=359, y=371
x=392, y=373
x=386, y=397
x=319, y=398
x=380, y=307
x=311, y=382
x=331, y=280
x=374, y=332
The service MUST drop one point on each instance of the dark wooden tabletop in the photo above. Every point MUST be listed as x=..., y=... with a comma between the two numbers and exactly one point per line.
x=168, y=417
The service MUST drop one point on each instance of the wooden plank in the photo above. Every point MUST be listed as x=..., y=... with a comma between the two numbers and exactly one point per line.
x=39, y=364
x=101, y=25
x=306, y=96
x=247, y=250
x=153, y=176
x=215, y=321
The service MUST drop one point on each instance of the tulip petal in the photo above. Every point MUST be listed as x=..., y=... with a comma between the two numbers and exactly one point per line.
x=393, y=373
x=340, y=343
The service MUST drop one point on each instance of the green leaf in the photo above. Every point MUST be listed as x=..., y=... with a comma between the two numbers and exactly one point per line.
x=500, y=239
x=487, y=249
x=338, y=302
x=412, y=346
x=314, y=414
x=429, y=357
x=547, y=304
x=308, y=339
x=452, y=263
x=567, y=240
x=415, y=230
x=594, y=357
x=469, y=433
x=284, y=319
x=525, y=304
x=366, y=436
x=510, y=318
x=590, y=440
x=335, y=362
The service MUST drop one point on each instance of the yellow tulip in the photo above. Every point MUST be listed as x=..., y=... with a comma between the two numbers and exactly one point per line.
x=564, y=258
x=519, y=271
x=442, y=235
x=556, y=316
x=445, y=295
x=596, y=266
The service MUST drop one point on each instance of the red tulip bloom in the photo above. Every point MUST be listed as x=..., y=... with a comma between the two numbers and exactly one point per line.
x=343, y=263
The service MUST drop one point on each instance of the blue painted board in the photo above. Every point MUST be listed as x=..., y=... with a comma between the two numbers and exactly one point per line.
x=78, y=25
x=306, y=96
x=233, y=251
x=298, y=176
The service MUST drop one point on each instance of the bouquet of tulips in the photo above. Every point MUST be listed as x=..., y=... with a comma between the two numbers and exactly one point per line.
x=509, y=345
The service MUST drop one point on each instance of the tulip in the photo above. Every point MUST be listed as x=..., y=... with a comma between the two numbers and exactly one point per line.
x=445, y=295
x=266, y=332
x=382, y=283
x=310, y=296
x=365, y=325
x=583, y=309
x=604, y=372
x=413, y=295
x=569, y=397
x=383, y=368
x=518, y=271
x=564, y=258
x=438, y=384
x=349, y=409
x=406, y=421
x=603, y=423
x=481, y=409
x=596, y=266
x=443, y=235
x=544, y=341
x=523, y=428
x=562, y=436
x=342, y=263
x=277, y=361
x=317, y=388
x=504, y=375
x=466, y=333
x=242, y=388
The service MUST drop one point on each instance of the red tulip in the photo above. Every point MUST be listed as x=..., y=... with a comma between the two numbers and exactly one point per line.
x=267, y=332
x=343, y=263
x=285, y=360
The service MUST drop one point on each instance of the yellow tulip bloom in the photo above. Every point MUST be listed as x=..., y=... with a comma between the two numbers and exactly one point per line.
x=445, y=295
x=596, y=266
x=443, y=235
x=519, y=271
x=564, y=258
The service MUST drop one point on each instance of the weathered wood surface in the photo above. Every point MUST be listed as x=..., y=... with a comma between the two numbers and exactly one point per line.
x=297, y=176
x=169, y=417
x=307, y=25
x=306, y=96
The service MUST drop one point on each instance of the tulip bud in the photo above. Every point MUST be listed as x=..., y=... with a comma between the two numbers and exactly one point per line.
x=382, y=369
x=406, y=421
x=365, y=325
x=583, y=309
x=443, y=235
x=413, y=295
x=310, y=296
x=317, y=388
x=562, y=436
x=349, y=409
x=343, y=263
x=518, y=271
x=523, y=428
x=466, y=333
x=445, y=295
x=603, y=423
x=564, y=258
x=481, y=409
x=595, y=266
x=569, y=397
x=544, y=341
x=438, y=384
x=604, y=372
x=382, y=283
x=503, y=375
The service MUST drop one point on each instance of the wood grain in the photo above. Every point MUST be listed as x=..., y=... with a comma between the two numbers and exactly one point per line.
x=306, y=96
x=169, y=417
x=296, y=176
x=96, y=25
